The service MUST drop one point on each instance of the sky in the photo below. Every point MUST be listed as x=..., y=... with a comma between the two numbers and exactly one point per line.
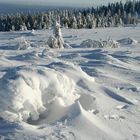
x=80, y=3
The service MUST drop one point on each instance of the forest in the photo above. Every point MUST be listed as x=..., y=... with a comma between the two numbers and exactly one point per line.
x=113, y=15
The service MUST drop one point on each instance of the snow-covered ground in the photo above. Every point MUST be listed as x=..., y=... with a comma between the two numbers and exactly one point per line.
x=77, y=93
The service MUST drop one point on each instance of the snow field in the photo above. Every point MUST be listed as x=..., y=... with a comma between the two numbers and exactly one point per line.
x=72, y=93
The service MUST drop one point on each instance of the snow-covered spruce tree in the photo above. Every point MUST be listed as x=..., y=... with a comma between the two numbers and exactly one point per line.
x=89, y=21
x=79, y=21
x=56, y=41
x=74, y=22
x=49, y=21
x=23, y=27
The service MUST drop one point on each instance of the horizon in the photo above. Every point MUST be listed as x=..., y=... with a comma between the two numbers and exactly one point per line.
x=12, y=6
x=59, y=3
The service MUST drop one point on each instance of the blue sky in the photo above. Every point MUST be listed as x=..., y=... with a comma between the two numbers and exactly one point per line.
x=60, y=2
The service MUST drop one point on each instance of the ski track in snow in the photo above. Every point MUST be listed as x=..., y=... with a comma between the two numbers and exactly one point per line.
x=70, y=94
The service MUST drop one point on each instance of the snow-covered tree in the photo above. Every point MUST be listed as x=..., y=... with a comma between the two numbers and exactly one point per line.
x=23, y=27
x=56, y=41
x=79, y=20
x=74, y=23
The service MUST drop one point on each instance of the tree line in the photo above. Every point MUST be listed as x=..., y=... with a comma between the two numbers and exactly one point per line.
x=112, y=15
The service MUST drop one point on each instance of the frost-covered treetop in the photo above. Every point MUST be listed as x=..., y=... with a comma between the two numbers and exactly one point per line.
x=56, y=30
x=56, y=41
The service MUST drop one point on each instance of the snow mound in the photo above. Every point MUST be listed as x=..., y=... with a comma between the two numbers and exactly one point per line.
x=32, y=32
x=49, y=53
x=99, y=44
x=28, y=92
x=33, y=55
x=127, y=41
x=73, y=71
x=22, y=44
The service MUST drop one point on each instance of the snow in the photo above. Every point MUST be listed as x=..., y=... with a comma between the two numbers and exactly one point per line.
x=36, y=86
x=127, y=41
x=81, y=92
x=91, y=44
x=100, y=44
x=22, y=43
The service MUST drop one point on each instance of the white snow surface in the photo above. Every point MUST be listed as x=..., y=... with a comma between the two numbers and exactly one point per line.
x=81, y=92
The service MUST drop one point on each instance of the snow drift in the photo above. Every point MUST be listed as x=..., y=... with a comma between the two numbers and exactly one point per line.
x=79, y=119
x=28, y=91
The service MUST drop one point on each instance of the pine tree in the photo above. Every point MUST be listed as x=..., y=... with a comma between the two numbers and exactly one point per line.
x=58, y=34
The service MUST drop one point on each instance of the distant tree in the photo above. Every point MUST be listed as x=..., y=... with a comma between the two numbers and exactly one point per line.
x=23, y=27
x=74, y=22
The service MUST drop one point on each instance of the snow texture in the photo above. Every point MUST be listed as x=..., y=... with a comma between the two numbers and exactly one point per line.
x=88, y=90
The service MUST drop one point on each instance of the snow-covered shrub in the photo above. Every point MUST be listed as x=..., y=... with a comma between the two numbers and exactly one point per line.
x=91, y=44
x=23, y=44
x=99, y=44
x=111, y=44
x=32, y=32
